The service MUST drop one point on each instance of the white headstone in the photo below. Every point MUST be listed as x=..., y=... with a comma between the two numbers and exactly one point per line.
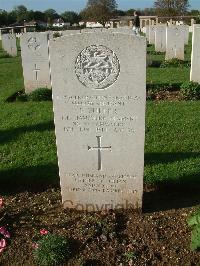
x=152, y=34
x=67, y=32
x=195, y=59
x=160, y=38
x=174, y=43
x=147, y=33
x=35, y=61
x=9, y=44
x=98, y=82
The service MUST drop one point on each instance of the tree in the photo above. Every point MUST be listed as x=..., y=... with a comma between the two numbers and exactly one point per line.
x=171, y=7
x=99, y=10
x=70, y=16
x=50, y=15
x=21, y=13
x=130, y=12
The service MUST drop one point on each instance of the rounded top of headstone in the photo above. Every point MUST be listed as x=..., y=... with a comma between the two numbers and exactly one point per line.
x=97, y=67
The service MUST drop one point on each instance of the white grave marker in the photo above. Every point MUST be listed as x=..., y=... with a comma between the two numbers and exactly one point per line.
x=174, y=43
x=195, y=60
x=160, y=38
x=98, y=82
x=35, y=61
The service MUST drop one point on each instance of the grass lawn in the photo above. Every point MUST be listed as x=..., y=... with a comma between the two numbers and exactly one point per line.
x=27, y=138
x=172, y=75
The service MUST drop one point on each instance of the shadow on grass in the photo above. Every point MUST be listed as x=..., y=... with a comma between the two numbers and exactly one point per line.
x=169, y=194
x=13, y=133
x=34, y=179
x=156, y=158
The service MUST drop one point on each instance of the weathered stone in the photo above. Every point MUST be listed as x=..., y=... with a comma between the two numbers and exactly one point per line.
x=160, y=38
x=195, y=59
x=152, y=34
x=98, y=82
x=35, y=61
x=9, y=44
x=174, y=43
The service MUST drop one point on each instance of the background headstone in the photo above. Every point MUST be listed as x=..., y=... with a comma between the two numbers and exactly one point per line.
x=35, y=61
x=9, y=44
x=98, y=82
x=160, y=38
x=174, y=43
x=152, y=34
x=195, y=58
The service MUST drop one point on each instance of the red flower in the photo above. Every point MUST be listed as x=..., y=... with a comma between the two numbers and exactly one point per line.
x=4, y=232
x=1, y=202
x=2, y=244
x=43, y=232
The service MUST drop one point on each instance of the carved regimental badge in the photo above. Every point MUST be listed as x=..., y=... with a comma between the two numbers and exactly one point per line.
x=33, y=44
x=97, y=67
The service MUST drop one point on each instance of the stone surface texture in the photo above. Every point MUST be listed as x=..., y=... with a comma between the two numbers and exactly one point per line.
x=160, y=38
x=35, y=61
x=174, y=43
x=195, y=58
x=98, y=82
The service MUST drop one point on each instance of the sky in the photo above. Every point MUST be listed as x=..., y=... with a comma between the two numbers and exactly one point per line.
x=77, y=5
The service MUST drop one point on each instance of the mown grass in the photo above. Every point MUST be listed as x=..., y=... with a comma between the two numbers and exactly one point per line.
x=28, y=157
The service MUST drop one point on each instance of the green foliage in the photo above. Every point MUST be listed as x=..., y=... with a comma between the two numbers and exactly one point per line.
x=56, y=35
x=41, y=94
x=194, y=223
x=190, y=91
x=70, y=16
x=175, y=62
x=130, y=255
x=5, y=55
x=52, y=249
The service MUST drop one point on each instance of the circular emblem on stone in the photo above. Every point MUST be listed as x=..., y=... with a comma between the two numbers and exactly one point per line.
x=97, y=67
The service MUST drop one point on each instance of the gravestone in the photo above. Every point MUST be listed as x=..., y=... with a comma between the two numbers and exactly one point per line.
x=160, y=38
x=185, y=30
x=35, y=61
x=98, y=82
x=152, y=34
x=147, y=33
x=9, y=44
x=195, y=58
x=67, y=32
x=174, y=43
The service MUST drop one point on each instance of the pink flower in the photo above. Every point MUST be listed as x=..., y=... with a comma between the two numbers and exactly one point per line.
x=4, y=232
x=2, y=244
x=1, y=202
x=43, y=232
x=35, y=245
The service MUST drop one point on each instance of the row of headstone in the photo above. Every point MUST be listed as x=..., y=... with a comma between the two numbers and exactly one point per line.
x=35, y=56
x=99, y=91
x=169, y=39
x=9, y=44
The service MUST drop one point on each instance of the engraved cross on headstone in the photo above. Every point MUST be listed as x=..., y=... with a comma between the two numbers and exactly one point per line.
x=99, y=148
x=36, y=70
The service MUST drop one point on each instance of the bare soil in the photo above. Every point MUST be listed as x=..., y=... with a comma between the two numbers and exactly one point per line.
x=158, y=235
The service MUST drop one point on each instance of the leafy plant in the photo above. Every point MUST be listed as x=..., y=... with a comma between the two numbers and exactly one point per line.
x=175, y=62
x=41, y=94
x=190, y=90
x=51, y=249
x=130, y=255
x=194, y=223
x=56, y=35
